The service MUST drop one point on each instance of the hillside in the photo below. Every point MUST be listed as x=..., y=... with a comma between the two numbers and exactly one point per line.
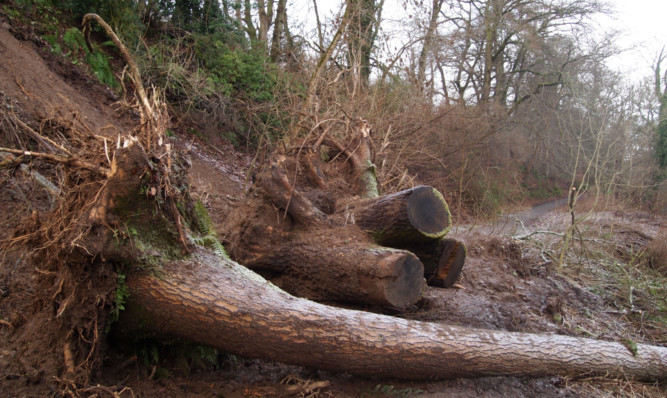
x=608, y=286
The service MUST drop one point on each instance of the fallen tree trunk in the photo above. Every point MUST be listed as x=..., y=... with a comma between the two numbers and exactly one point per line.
x=349, y=271
x=416, y=215
x=222, y=304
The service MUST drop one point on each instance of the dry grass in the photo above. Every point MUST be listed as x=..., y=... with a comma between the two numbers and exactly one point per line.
x=657, y=253
x=618, y=388
x=614, y=257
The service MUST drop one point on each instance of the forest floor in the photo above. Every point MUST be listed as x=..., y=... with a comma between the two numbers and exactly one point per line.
x=603, y=288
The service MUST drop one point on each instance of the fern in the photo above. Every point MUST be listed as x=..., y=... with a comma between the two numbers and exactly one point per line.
x=202, y=218
x=207, y=239
x=212, y=243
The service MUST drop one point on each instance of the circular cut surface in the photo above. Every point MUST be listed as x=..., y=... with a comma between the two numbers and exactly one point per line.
x=426, y=210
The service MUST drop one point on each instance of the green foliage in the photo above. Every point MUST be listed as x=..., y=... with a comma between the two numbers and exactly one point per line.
x=204, y=226
x=120, y=297
x=539, y=186
x=488, y=196
x=122, y=15
x=174, y=354
x=661, y=134
x=236, y=70
x=203, y=220
x=74, y=48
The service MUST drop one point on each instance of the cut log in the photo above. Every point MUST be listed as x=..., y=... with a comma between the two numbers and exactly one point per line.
x=345, y=271
x=443, y=260
x=416, y=215
x=224, y=305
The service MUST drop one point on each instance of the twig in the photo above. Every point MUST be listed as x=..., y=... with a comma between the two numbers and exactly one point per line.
x=103, y=172
x=526, y=236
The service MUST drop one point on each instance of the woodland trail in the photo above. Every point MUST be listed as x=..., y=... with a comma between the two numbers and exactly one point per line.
x=514, y=223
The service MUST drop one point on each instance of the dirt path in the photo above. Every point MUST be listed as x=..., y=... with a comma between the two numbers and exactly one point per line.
x=515, y=223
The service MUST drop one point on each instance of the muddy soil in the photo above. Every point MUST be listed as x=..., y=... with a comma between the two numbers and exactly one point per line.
x=507, y=284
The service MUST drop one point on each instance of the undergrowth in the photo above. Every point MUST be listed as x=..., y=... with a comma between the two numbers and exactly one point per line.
x=620, y=265
x=207, y=236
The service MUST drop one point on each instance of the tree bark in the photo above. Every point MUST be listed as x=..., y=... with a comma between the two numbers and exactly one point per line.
x=222, y=304
x=359, y=150
x=278, y=28
x=428, y=42
x=344, y=271
x=416, y=215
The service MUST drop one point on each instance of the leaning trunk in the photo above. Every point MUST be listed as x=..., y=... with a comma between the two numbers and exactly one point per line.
x=222, y=304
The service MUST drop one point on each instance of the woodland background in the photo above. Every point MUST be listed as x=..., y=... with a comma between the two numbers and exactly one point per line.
x=493, y=102
x=499, y=104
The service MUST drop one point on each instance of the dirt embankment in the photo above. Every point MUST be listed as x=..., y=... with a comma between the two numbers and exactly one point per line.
x=506, y=284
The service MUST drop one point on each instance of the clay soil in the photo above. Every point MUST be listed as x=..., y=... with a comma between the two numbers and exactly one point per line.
x=507, y=283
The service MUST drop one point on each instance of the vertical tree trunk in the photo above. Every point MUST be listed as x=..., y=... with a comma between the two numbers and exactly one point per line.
x=428, y=42
x=249, y=25
x=278, y=29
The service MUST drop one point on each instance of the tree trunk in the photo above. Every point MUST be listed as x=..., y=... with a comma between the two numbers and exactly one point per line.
x=278, y=28
x=442, y=259
x=345, y=271
x=222, y=304
x=416, y=215
x=428, y=42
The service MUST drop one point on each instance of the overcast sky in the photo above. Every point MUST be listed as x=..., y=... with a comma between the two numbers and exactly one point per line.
x=644, y=26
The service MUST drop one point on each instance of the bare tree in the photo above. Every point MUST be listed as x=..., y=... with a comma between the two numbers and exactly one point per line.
x=661, y=92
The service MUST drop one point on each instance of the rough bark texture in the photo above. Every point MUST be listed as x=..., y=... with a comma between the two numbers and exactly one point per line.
x=416, y=215
x=350, y=272
x=320, y=256
x=219, y=303
x=359, y=151
x=286, y=197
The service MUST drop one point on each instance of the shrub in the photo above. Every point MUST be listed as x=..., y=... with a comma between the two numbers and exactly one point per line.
x=99, y=62
x=247, y=72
